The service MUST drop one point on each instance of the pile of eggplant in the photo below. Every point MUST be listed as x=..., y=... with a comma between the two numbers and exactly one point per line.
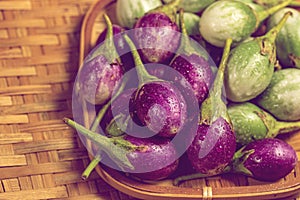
x=208, y=85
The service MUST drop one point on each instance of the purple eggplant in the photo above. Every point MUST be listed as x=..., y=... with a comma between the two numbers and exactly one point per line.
x=101, y=72
x=118, y=121
x=145, y=158
x=215, y=143
x=268, y=159
x=193, y=65
x=158, y=104
x=157, y=34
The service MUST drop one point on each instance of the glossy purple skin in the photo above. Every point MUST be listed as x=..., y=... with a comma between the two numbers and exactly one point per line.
x=272, y=159
x=156, y=37
x=120, y=44
x=161, y=107
x=196, y=71
x=213, y=147
x=98, y=79
x=159, y=161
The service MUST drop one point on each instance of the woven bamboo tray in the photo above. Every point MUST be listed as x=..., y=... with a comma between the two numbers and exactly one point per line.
x=220, y=187
x=41, y=157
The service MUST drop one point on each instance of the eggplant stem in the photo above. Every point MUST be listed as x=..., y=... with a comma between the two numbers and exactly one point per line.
x=92, y=165
x=272, y=33
x=142, y=73
x=286, y=127
x=213, y=107
x=169, y=9
x=180, y=179
x=262, y=15
x=108, y=47
x=116, y=148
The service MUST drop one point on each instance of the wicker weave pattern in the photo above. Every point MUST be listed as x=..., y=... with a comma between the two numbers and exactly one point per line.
x=40, y=157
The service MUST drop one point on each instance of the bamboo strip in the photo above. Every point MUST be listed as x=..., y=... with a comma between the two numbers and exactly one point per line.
x=46, y=39
x=25, y=89
x=72, y=177
x=10, y=138
x=36, y=169
x=44, y=193
x=53, y=11
x=3, y=33
x=19, y=71
x=72, y=154
x=25, y=183
x=11, y=53
x=13, y=119
x=14, y=160
x=21, y=23
x=11, y=185
x=45, y=145
x=55, y=78
x=6, y=149
x=16, y=5
x=34, y=107
x=48, y=125
x=5, y=101
x=102, y=196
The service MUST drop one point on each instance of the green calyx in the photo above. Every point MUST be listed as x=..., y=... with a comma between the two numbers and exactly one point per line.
x=170, y=9
x=237, y=164
x=186, y=46
x=116, y=147
x=276, y=127
x=114, y=129
x=108, y=47
x=213, y=106
x=267, y=42
x=143, y=75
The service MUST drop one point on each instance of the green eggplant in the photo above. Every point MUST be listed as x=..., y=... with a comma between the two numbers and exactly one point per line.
x=288, y=39
x=251, y=123
x=251, y=66
x=281, y=98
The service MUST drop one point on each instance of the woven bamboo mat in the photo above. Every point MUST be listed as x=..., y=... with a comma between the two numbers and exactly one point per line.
x=40, y=157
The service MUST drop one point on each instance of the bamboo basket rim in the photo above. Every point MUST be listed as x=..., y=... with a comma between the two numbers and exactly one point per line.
x=134, y=188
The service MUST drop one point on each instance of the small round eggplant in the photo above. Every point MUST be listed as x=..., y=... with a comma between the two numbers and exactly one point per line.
x=288, y=39
x=157, y=34
x=145, y=158
x=158, y=104
x=251, y=66
x=267, y=159
x=232, y=19
x=101, y=71
x=281, y=98
x=214, y=145
x=251, y=123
